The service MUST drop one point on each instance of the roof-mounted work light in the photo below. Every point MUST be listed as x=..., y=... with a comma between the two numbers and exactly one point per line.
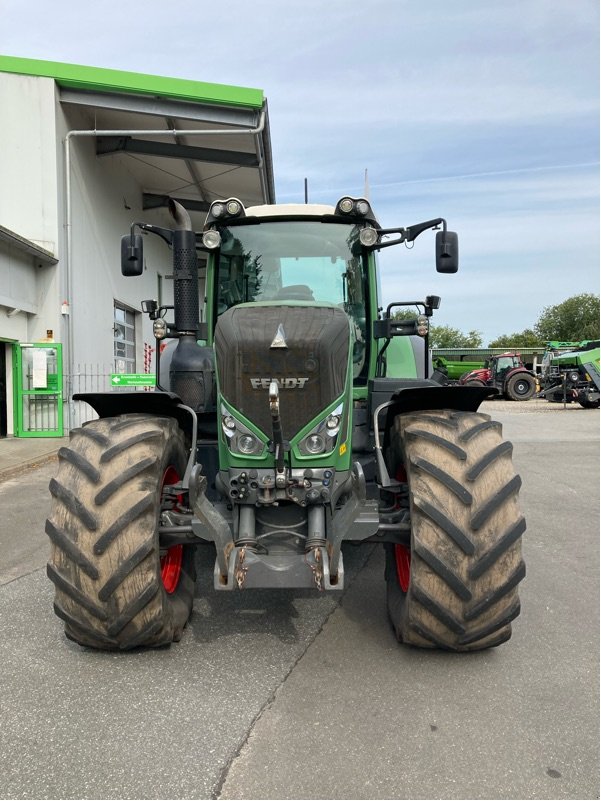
x=357, y=207
x=223, y=210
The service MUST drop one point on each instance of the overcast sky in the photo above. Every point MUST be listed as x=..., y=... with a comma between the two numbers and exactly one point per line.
x=485, y=112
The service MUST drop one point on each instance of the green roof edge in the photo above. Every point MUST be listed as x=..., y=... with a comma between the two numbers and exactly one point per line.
x=99, y=79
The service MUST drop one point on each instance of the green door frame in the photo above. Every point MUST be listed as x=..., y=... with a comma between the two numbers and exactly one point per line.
x=38, y=410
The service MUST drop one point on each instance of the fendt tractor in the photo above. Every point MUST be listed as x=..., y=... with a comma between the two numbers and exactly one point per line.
x=279, y=430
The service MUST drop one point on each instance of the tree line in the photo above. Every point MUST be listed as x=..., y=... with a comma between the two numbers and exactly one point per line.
x=573, y=320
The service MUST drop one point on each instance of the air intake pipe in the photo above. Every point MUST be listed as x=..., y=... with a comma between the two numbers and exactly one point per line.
x=192, y=371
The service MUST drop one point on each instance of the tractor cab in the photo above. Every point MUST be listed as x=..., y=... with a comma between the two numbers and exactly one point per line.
x=500, y=365
x=293, y=263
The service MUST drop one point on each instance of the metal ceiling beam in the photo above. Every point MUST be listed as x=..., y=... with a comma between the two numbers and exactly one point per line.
x=105, y=145
x=161, y=107
x=192, y=167
x=154, y=201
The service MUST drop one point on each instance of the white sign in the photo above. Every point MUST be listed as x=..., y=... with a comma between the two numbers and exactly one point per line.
x=39, y=368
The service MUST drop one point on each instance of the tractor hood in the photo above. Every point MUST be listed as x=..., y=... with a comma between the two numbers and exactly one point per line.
x=304, y=348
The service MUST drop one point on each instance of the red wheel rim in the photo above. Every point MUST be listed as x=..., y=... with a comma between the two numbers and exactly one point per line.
x=402, y=556
x=172, y=560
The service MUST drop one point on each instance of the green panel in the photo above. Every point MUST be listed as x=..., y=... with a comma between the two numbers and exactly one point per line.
x=576, y=357
x=400, y=359
x=97, y=79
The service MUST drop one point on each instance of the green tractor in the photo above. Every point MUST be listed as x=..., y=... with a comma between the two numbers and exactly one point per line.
x=570, y=373
x=294, y=418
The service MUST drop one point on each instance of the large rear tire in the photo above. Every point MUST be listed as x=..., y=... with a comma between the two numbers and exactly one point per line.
x=520, y=387
x=455, y=587
x=115, y=588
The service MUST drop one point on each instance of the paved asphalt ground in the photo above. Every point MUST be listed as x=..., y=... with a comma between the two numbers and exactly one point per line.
x=280, y=697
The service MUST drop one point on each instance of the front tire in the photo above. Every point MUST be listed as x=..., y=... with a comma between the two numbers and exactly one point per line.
x=115, y=588
x=455, y=586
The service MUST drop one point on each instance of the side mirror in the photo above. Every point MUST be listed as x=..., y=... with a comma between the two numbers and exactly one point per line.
x=132, y=255
x=447, y=252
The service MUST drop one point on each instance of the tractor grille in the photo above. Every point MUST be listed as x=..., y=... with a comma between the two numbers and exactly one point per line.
x=311, y=369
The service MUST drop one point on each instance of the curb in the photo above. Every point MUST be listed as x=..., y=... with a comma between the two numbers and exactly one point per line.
x=11, y=472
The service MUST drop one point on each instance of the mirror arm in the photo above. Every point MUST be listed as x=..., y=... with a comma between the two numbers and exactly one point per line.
x=381, y=245
x=166, y=234
x=403, y=303
x=411, y=233
x=415, y=230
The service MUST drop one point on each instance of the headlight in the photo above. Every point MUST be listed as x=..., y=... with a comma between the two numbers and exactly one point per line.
x=368, y=236
x=159, y=328
x=240, y=439
x=248, y=443
x=229, y=425
x=315, y=443
x=211, y=239
x=573, y=377
x=322, y=438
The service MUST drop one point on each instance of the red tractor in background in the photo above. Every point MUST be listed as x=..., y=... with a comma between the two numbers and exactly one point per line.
x=505, y=372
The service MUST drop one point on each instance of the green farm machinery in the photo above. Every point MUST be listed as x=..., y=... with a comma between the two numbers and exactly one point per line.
x=570, y=373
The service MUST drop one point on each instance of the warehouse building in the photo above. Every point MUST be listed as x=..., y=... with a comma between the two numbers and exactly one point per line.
x=84, y=153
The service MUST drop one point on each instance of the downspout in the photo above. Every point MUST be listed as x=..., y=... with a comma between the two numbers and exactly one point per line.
x=67, y=272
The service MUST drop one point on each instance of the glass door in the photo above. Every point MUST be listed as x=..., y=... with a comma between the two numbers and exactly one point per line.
x=39, y=390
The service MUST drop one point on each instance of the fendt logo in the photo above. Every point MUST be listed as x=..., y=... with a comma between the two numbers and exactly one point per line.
x=283, y=383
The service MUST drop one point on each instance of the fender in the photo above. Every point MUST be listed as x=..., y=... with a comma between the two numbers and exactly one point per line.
x=515, y=370
x=416, y=398
x=157, y=403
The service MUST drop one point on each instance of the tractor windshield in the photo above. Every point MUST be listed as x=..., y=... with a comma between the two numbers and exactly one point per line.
x=303, y=261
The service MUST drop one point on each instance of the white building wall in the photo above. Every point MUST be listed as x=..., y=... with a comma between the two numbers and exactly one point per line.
x=28, y=200
x=18, y=288
x=105, y=200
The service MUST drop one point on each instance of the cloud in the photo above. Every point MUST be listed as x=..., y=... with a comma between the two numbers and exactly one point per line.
x=481, y=111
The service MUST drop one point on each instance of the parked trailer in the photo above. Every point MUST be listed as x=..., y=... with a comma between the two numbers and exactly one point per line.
x=453, y=370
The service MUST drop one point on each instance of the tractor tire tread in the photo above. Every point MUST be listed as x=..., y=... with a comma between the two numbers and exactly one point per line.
x=466, y=554
x=105, y=558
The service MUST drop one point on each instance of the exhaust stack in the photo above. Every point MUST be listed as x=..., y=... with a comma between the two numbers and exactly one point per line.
x=192, y=370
